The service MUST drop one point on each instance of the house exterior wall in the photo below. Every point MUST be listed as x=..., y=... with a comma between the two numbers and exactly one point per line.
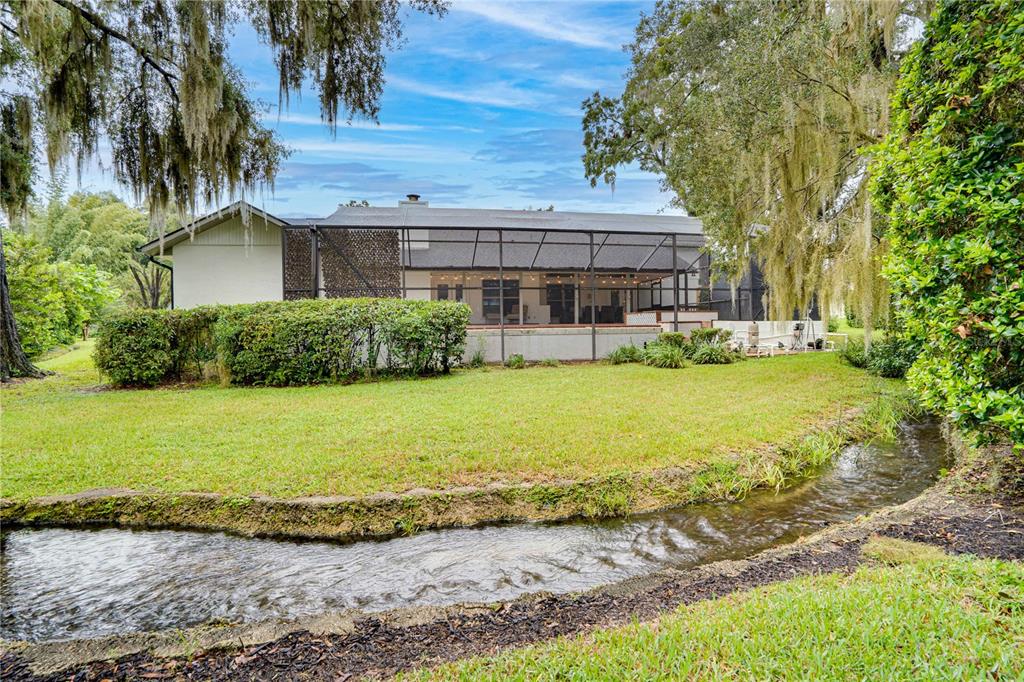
x=560, y=343
x=229, y=263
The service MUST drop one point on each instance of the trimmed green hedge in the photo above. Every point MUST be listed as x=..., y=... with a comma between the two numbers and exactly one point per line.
x=282, y=343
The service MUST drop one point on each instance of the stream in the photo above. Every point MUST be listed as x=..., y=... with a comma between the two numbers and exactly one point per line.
x=58, y=583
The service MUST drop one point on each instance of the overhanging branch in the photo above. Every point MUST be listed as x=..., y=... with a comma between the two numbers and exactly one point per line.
x=102, y=26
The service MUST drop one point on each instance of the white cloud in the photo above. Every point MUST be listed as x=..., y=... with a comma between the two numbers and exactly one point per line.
x=378, y=150
x=553, y=23
x=309, y=120
x=496, y=94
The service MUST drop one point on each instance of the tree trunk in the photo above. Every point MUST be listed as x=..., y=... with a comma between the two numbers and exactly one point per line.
x=13, y=361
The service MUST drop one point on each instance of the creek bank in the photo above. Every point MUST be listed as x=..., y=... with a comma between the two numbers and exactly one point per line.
x=386, y=515
x=349, y=646
x=957, y=515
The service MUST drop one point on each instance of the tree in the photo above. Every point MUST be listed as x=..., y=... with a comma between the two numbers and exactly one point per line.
x=99, y=229
x=755, y=112
x=950, y=179
x=52, y=301
x=154, y=80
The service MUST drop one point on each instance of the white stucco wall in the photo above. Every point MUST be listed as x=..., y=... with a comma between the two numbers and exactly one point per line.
x=228, y=264
x=560, y=343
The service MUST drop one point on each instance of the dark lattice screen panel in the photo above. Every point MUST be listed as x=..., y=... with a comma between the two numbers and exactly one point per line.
x=360, y=263
x=298, y=270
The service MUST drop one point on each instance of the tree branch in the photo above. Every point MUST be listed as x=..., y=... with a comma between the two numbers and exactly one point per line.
x=99, y=24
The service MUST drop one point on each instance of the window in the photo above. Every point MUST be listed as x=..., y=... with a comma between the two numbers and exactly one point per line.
x=492, y=300
x=442, y=292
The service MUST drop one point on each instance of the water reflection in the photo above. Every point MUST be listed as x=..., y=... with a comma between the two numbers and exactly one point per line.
x=60, y=583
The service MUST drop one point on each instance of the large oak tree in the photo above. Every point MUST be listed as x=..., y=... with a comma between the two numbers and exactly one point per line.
x=756, y=113
x=153, y=80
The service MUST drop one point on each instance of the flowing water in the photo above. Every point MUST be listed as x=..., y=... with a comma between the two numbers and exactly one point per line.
x=62, y=583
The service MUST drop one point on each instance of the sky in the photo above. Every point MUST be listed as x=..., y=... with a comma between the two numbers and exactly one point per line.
x=481, y=108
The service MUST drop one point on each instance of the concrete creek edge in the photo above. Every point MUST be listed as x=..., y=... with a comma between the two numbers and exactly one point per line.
x=969, y=479
x=384, y=515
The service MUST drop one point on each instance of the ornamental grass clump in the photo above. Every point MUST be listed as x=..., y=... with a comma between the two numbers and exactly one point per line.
x=714, y=354
x=516, y=361
x=664, y=355
x=626, y=354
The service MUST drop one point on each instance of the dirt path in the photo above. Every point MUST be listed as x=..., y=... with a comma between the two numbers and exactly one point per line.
x=381, y=645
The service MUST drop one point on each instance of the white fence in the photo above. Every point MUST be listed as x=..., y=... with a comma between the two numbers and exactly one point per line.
x=772, y=333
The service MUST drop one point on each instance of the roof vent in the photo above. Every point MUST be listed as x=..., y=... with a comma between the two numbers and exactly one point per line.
x=412, y=200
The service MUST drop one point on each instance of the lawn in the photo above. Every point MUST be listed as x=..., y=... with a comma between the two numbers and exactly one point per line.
x=69, y=433
x=931, y=619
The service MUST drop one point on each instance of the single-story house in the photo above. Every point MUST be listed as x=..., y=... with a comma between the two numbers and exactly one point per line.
x=555, y=284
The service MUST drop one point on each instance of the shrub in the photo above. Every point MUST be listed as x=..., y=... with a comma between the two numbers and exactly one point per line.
x=146, y=347
x=280, y=343
x=710, y=335
x=892, y=358
x=854, y=354
x=665, y=355
x=51, y=301
x=713, y=354
x=673, y=338
x=135, y=349
x=833, y=325
x=550, y=362
x=515, y=361
x=948, y=178
x=624, y=354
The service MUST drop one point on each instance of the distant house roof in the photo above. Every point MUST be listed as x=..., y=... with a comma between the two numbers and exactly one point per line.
x=619, y=237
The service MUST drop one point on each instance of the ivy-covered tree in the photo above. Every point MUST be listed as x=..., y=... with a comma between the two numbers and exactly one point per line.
x=153, y=78
x=754, y=112
x=950, y=178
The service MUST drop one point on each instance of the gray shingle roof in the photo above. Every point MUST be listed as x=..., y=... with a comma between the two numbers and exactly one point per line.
x=421, y=215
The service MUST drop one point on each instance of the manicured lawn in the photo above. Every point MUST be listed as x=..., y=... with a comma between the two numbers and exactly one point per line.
x=947, y=619
x=67, y=434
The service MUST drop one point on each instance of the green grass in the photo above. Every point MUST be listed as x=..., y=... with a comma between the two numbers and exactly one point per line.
x=67, y=433
x=944, y=619
x=855, y=333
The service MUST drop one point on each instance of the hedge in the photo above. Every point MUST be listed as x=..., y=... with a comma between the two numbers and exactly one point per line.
x=283, y=343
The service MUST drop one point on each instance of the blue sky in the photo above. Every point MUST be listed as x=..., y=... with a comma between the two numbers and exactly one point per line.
x=480, y=109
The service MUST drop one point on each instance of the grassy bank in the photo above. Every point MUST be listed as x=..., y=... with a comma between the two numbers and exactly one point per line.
x=67, y=433
x=926, y=617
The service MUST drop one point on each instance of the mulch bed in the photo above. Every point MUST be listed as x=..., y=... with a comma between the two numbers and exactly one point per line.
x=378, y=649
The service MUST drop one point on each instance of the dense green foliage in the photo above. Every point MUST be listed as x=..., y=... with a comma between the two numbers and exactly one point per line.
x=854, y=353
x=146, y=347
x=51, y=301
x=755, y=114
x=673, y=338
x=950, y=178
x=892, y=357
x=282, y=343
x=101, y=230
x=665, y=355
x=705, y=335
